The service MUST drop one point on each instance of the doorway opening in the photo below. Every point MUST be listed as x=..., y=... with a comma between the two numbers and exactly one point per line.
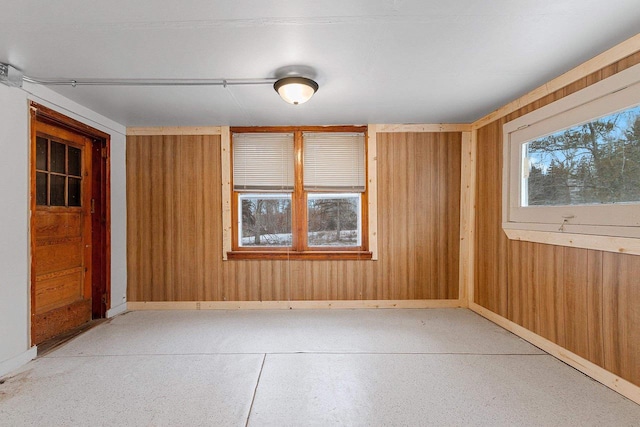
x=70, y=224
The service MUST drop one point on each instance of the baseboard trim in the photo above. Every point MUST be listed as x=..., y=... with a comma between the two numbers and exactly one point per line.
x=290, y=305
x=119, y=309
x=17, y=361
x=614, y=382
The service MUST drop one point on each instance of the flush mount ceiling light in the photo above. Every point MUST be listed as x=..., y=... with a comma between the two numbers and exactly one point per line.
x=295, y=90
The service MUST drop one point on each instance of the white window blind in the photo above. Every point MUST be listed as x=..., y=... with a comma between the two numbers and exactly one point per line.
x=263, y=162
x=334, y=161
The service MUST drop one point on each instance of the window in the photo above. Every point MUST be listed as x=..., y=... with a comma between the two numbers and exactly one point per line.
x=58, y=173
x=299, y=193
x=597, y=162
x=265, y=220
x=334, y=220
x=574, y=165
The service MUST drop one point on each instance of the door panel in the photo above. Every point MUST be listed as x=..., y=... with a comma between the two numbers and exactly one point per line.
x=58, y=254
x=55, y=224
x=61, y=228
x=58, y=289
x=59, y=320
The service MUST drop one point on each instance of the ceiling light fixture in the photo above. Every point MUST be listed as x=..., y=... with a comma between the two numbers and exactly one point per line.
x=295, y=90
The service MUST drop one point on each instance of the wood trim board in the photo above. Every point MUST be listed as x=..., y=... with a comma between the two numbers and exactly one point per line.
x=437, y=127
x=225, y=170
x=218, y=130
x=467, y=214
x=623, y=245
x=175, y=130
x=372, y=182
x=291, y=305
x=594, y=371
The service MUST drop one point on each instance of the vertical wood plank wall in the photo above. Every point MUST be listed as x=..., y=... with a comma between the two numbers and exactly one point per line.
x=175, y=228
x=586, y=301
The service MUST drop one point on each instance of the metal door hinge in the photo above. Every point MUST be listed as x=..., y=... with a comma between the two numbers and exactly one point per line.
x=93, y=206
x=104, y=152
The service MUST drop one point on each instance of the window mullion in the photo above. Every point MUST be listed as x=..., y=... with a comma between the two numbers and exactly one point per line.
x=299, y=196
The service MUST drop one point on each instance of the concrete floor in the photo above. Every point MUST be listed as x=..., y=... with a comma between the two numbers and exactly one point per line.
x=293, y=368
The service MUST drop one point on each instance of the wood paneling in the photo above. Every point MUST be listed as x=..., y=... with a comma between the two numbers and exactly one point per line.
x=621, y=315
x=579, y=315
x=584, y=300
x=174, y=225
x=548, y=278
x=490, y=288
x=522, y=289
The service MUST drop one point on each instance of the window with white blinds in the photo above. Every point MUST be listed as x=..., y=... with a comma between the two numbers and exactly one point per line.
x=299, y=193
x=263, y=162
x=334, y=161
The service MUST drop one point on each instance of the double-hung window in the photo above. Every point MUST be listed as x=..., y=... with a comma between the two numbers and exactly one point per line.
x=574, y=166
x=299, y=193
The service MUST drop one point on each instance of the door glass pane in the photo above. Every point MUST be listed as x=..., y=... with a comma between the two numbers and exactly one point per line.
x=265, y=220
x=57, y=190
x=57, y=157
x=75, y=198
x=41, y=188
x=333, y=219
x=75, y=166
x=41, y=153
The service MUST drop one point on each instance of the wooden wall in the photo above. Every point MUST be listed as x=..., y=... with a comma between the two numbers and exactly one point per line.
x=587, y=301
x=174, y=228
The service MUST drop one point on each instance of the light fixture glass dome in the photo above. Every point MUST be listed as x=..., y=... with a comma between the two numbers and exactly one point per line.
x=295, y=90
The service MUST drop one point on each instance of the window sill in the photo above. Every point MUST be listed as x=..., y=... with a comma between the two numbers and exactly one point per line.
x=626, y=245
x=318, y=255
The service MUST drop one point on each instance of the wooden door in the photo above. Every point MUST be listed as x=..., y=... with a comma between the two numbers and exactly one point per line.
x=61, y=231
x=99, y=232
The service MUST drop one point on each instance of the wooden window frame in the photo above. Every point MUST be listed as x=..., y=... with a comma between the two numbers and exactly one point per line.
x=66, y=175
x=299, y=248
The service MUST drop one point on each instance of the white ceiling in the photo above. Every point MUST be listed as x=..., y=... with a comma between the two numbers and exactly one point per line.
x=377, y=61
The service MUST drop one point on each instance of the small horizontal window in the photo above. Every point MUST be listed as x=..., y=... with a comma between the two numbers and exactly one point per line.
x=597, y=162
x=574, y=165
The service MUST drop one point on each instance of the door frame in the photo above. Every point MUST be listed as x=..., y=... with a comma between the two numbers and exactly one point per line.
x=40, y=113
